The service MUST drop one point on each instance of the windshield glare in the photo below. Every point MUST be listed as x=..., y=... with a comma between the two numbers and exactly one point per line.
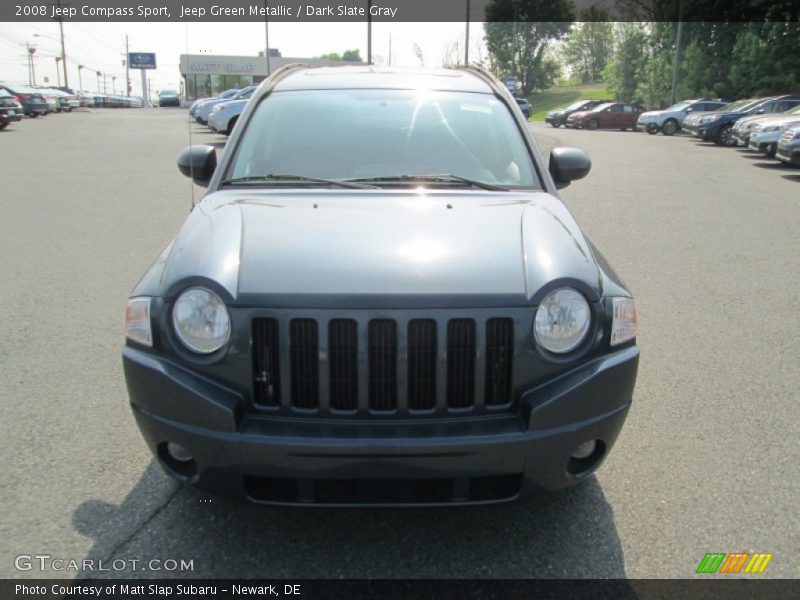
x=355, y=134
x=739, y=105
x=576, y=105
x=678, y=106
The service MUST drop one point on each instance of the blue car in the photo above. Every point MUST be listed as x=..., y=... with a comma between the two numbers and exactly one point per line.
x=205, y=109
x=717, y=126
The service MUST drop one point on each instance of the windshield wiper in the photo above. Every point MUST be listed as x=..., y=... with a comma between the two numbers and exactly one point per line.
x=279, y=177
x=448, y=178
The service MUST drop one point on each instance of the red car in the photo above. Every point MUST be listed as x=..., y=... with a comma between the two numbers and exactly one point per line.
x=611, y=115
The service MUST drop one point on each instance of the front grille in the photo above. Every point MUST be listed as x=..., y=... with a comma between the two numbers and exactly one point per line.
x=305, y=363
x=382, y=365
x=499, y=357
x=460, y=363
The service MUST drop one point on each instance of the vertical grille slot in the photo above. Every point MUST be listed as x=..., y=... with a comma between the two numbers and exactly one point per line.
x=421, y=364
x=305, y=363
x=343, y=361
x=499, y=360
x=382, y=350
x=460, y=363
x=266, y=366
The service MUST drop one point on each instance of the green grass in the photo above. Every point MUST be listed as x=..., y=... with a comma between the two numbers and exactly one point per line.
x=561, y=96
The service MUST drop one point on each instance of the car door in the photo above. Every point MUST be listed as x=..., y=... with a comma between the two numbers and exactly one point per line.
x=611, y=116
x=628, y=115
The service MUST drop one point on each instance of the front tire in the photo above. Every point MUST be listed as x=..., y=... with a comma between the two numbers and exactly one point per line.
x=592, y=124
x=725, y=137
x=670, y=127
x=231, y=125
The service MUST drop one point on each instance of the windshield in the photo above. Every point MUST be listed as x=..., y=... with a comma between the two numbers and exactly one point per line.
x=576, y=105
x=600, y=107
x=169, y=93
x=739, y=105
x=383, y=134
x=678, y=106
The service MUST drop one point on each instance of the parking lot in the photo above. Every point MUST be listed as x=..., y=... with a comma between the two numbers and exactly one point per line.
x=707, y=238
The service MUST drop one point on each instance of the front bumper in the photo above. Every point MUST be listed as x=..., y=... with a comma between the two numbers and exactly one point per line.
x=218, y=122
x=789, y=154
x=436, y=461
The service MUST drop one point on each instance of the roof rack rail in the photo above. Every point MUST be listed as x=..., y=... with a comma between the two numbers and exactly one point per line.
x=487, y=77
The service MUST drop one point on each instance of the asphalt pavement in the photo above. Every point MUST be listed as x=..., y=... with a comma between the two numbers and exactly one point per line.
x=707, y=238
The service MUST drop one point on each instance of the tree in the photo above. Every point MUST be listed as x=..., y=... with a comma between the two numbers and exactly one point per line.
x=622, y=72
x=517, y=34
x=335, y=56
x=351, y=55
x=589, y=45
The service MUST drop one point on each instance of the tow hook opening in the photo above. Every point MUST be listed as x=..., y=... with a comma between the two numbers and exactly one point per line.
x=585, y=457
x=178, y=461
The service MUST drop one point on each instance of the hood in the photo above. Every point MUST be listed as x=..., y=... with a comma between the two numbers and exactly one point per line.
x=499, y=247
x=747, y=121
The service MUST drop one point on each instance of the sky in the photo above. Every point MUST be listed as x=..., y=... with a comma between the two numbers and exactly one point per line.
x=101, y=46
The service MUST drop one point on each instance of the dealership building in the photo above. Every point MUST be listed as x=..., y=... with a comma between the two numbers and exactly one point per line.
x=206, y=75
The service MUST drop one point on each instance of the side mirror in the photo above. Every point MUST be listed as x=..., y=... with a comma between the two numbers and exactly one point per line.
x=198, y=162
x=688, y=110
x=568, y=164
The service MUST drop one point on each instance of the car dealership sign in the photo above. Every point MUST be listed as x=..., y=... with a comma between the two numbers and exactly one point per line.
x=142, y=60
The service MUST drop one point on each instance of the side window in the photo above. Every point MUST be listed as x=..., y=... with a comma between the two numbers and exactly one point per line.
x=627, y=108
x=615, y=108
x=790, y=104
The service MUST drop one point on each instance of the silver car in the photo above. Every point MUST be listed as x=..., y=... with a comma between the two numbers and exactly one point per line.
x=789, y=147
x=670, y=120
x=224, y=115
x=381, y=300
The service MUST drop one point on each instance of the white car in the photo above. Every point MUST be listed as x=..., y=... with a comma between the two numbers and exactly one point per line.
x=789, y=147
x=224, y=116
x=765, y=134
x=670, y=120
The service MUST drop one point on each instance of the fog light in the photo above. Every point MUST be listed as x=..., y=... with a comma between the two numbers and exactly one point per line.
x=585, y=450
x=178, y=452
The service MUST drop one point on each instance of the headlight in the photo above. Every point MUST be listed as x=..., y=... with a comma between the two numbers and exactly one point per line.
x=624, y=323
x=201, y=320
x=562, y=320
x=137, y=321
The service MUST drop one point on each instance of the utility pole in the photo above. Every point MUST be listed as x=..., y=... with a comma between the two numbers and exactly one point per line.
x=266, y=35
x=63, y=51
x=113, y=84
x=98, y=81
x=369, y=32
x=127, y=68
x=31, y=72
x=58, y=77
x=676, y=60
x=80, y=80
x=466, y=40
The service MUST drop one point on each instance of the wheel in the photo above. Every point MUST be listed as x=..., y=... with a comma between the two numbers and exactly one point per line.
x=670, y=127
x=33, y=115
x=231, y=124
x=772, y=150
x=3, y=126
x=652, y=129
x=725, y=137
x=592, y=124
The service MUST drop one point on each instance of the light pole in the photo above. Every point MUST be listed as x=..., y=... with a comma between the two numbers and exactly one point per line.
x=80, y=80
x=58, y=76
x=31, y=69
x=61, y=58
x=113, y=84
x=98, y=82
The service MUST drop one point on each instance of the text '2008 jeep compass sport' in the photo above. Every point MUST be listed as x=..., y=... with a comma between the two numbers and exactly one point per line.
x=380, y=300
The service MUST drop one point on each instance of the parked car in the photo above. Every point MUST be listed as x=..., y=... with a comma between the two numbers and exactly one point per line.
x=66, y=101
x=204, y=110
x=201, y=101
x=669, y=120
x=717, y=126
x=325, y=330
x=225, y=115
x=743, y=127
x=10, y=109
x=33, y=101
x=611, y=115
x=789, y=147
x=765, y=134
x=52, y=99
x=558, y=117
x=168, y=98
x=525, y=107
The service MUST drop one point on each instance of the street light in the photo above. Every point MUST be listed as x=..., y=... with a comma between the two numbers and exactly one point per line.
x=80, y=81
x=58, y=76
x=113, y=84
x=63, y=50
